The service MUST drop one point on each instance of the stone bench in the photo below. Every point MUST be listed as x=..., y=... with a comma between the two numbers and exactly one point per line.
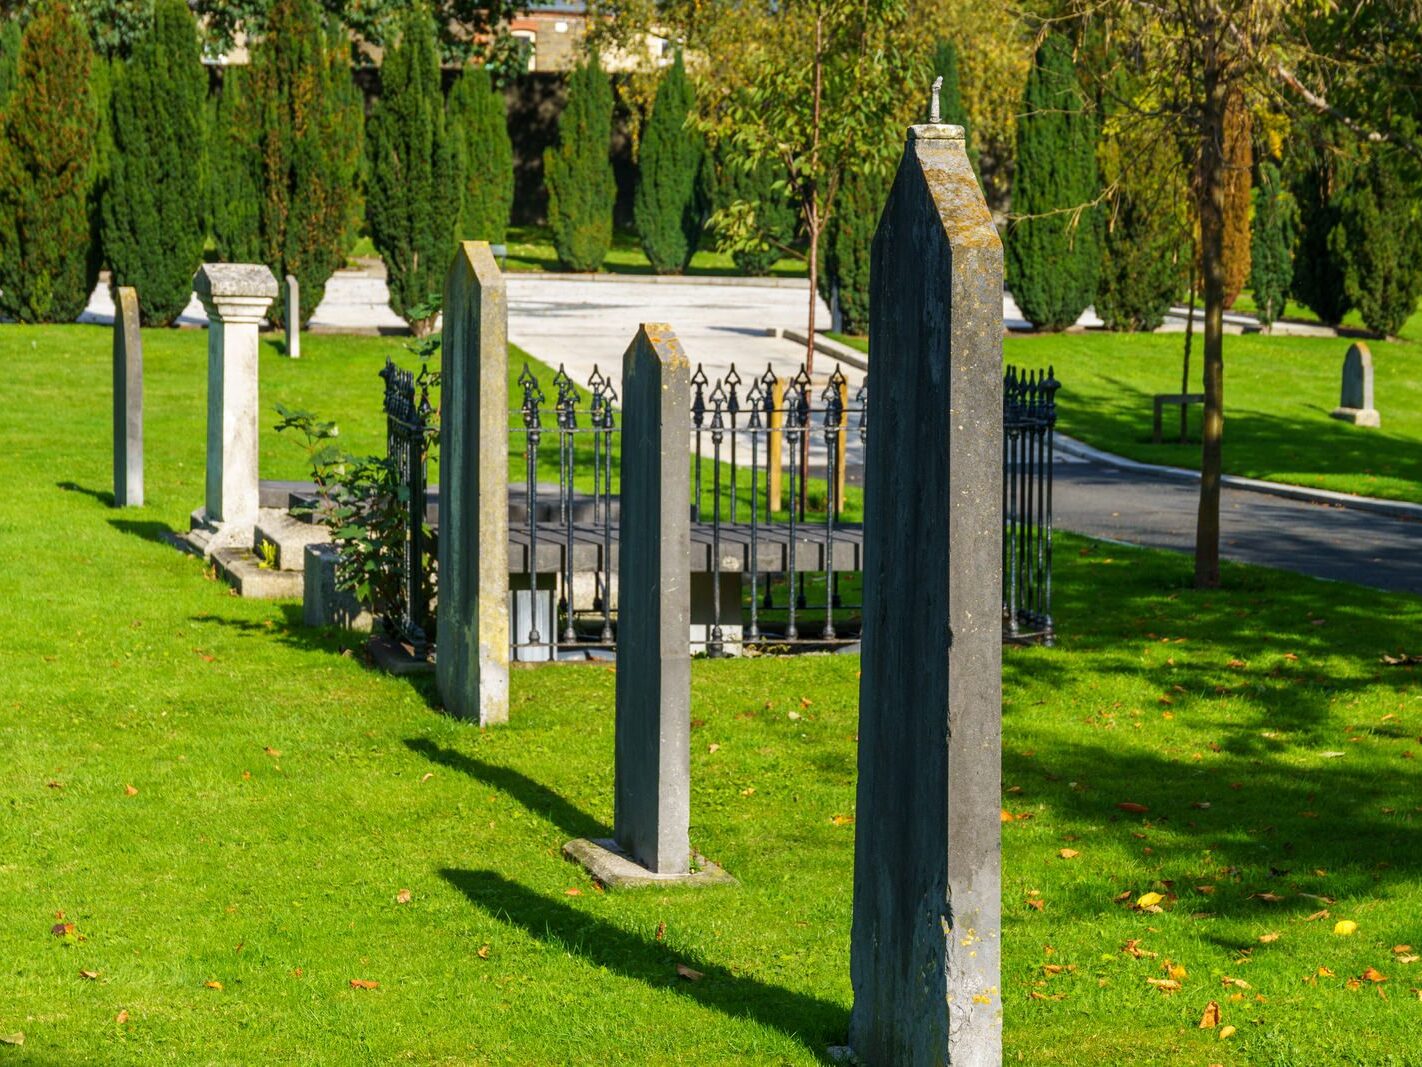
x=1178, y=400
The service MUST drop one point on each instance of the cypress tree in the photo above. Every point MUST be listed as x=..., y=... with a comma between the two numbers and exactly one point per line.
x=951, y=109
x=578, y=171
x=1377, y=243
x=46, y=171
x=234, y=192
x=1054, y=248
x=1239, y=163
x=101, y=76
x=1140, y=265
x=413, y=200
x=1318, y=276
x=848, y=238
x=306, y=156
x=1271, y=265
x=9, y=56
x=670, y=203
x=478, y=128
x=775, y=216
x=152, y=215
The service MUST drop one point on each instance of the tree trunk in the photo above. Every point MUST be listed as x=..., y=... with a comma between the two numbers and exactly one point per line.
x=1207, y=527
x=1185, y=370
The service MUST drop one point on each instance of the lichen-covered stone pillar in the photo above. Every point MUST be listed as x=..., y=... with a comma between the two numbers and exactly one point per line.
x=236, y=297
x=925, y=955
x=292, y=292
x=128, y=400
x=472, y=664
x=652, y=800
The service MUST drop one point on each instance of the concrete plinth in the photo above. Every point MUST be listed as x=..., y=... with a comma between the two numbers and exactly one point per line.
x=604, y=860
x=128, y=400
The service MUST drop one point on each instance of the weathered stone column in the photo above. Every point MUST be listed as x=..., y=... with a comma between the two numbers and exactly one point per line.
x=925, y=956
x=472, y=663
x=235, y=296
x=128, y=400
x=292, y=291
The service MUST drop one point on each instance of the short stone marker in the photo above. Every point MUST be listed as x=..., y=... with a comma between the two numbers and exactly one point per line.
x=235, y=296
x=652, y=802
x=128, y=400
x=472, y=665
x=292, y=291
x=924, y=953
x=1356, y=402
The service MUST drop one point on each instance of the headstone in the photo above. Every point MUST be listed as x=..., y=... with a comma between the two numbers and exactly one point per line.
x=652, y=788
x=236, y=297
x=292, y=291
x=1356, y=403
x=128, y=401
x=472, y=666
x=925, y=954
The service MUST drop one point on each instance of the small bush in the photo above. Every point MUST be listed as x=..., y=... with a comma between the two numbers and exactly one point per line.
x=1378, y=244
x=1271, y=263
x=670, y=203
x=578, y=172
x=478, y=128
x=775, y=218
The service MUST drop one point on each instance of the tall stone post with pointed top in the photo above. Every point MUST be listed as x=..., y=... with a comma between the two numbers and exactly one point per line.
x=925, y=955
x=128, y=400
x=292, y=291
x=472, y=665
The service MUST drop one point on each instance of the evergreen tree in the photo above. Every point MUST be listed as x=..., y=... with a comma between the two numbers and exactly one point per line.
x=101, y=76
x=478, y=128
x=578, y=171
x=1271, y=264
x=152, y=213
x=9, y=56
x=1054, y=248
x=848, y=238
x=1377, y=243
x=1239, y=164
x=951, y=109
x=412, y=204
x=1318, y=276
x=776, y=216
x=46, y=171
x=670, y=205
x=1140, y=264
x=234, y=215
x=306, y=154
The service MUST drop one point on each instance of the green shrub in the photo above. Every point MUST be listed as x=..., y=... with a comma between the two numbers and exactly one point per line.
x=234, y=216
x=578, y=172
x=1053, y=249
x=775, y=216
x=1272, y=269
x=846, y=244
x=670, y=205
x=1318, y=276
x=478, y=128
x=1141, y=271
x=46, y=173
x=9, y=56
x=412, y=203
x=1378, y=245
x=152, y=213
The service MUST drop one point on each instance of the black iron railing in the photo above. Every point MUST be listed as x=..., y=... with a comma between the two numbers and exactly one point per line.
x=408, y=429
x=1029, y=418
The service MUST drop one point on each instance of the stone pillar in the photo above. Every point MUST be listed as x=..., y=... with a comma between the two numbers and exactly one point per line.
x=292, y=291
x=925, y=955
x=235, y=296
x=128, y=400
x=1355, y=402
x=472, y=665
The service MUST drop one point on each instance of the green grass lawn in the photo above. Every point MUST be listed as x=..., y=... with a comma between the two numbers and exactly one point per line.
x=1278, y=393
x=227, y=807
x=531, y=248
x=1296, y=312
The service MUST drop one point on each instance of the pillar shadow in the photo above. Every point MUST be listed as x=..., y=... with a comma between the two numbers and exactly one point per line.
x=148, y=529
x=102, y=496
x=570, y=819
x=813, y=1022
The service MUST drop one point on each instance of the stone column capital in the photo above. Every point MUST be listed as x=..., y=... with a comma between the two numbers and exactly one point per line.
x=235, y=292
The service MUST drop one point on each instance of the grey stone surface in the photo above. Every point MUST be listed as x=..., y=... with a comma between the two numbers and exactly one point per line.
x=703, y=611
x=652, y=804
x=285, y=538
x=322, y=604
x=1355, y=404
x=246, y=574
x=215, y=281
x=473, y=660
x=925, y=953
x=292, y=292
x=610, y=865
x=128, y=401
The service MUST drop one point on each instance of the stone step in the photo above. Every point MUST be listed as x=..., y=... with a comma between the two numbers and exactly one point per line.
x=243, y=570
x=288, y=538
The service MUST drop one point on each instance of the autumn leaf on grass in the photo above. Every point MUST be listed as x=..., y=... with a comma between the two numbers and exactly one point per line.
x=275, y=753
x=1133, y=948
x=62, y=929
x=90, y=975
x=1345, y=927
x=212, y=983
x=842, y=820
x=572, y=891
x=1267, y=898
x=403, y=897
x=1132, y=807
x=130, y=791
x=1148, y=901
x=1316, y=916
x=1036, y=903
x=1227, y=981
x=1211, y=1018
x=1006, y=815
x=1165, y=985
x=483, y=952
x=1324, y=972
x=364, y=983
x=1037, y=994
x=686, y=972
x=1372, y=974
x=121, y=1017
x=1228, y=1031
x=1068, y=853
x=12, y=1039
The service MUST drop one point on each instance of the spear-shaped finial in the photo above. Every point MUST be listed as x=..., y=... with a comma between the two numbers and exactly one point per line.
x=934, y=116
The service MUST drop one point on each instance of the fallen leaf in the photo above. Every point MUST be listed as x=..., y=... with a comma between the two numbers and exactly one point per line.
x=273, y=752
x=364, y=983
x=572, y=891
x=91, y=975
x=1236, y=663
x=426, y=776
x=121, y=1017
x=1133, y=948
x=403, y=897
x=483, y=952
x=1203, y=805
x=1267, y=898
x=1176, y=971
x=1265, y=939
x=1165, y=985
x=1316, y=916
x=12, y=1039
x=1149, y=900
x=1006, y=815
x=792, y=715
x=130, y=791
x=1228, y=1031
x=1211, y=1018
x=1036, y=902
x=1227, y=981
x=1132, y=807
x=62, y=929
x=686, y=972
x=1399, y=949
x=1324, y=972
x=1345, y=927
x=661, y=931
x=1037, y=994
x=1372, y=974
x=1410, y=957
x=1068, y=853
x=748, y=791
x=842, y=820
x=1354, y=983
x=212, y=983
x=713, y=747
x=1205, y=889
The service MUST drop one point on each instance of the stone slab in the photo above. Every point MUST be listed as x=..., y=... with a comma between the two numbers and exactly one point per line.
x=288, y=538
x=245, y=573
x=394, y=658
x=322, y=604
x=605, y=861
x=1358, y=416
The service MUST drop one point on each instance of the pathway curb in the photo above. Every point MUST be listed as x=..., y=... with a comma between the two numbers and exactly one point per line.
x=1395, y=509
x=776, y=282
x=834, y=349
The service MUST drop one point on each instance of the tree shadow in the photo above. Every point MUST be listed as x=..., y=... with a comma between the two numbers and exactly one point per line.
x=102, y=496
x=535, y=796
x=813, y=1022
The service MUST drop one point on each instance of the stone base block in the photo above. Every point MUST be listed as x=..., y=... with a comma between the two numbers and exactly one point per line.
x=1358, y=416
x=281, y=537
x=322, y=604
x=394, y=658
x=206, y=536
x=606, y=862
x=245, y=572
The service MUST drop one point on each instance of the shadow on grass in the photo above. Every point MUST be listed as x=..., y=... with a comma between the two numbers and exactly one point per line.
x=104, y=497
x=813, y=1022
x=149, y=530
x=535, y=796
